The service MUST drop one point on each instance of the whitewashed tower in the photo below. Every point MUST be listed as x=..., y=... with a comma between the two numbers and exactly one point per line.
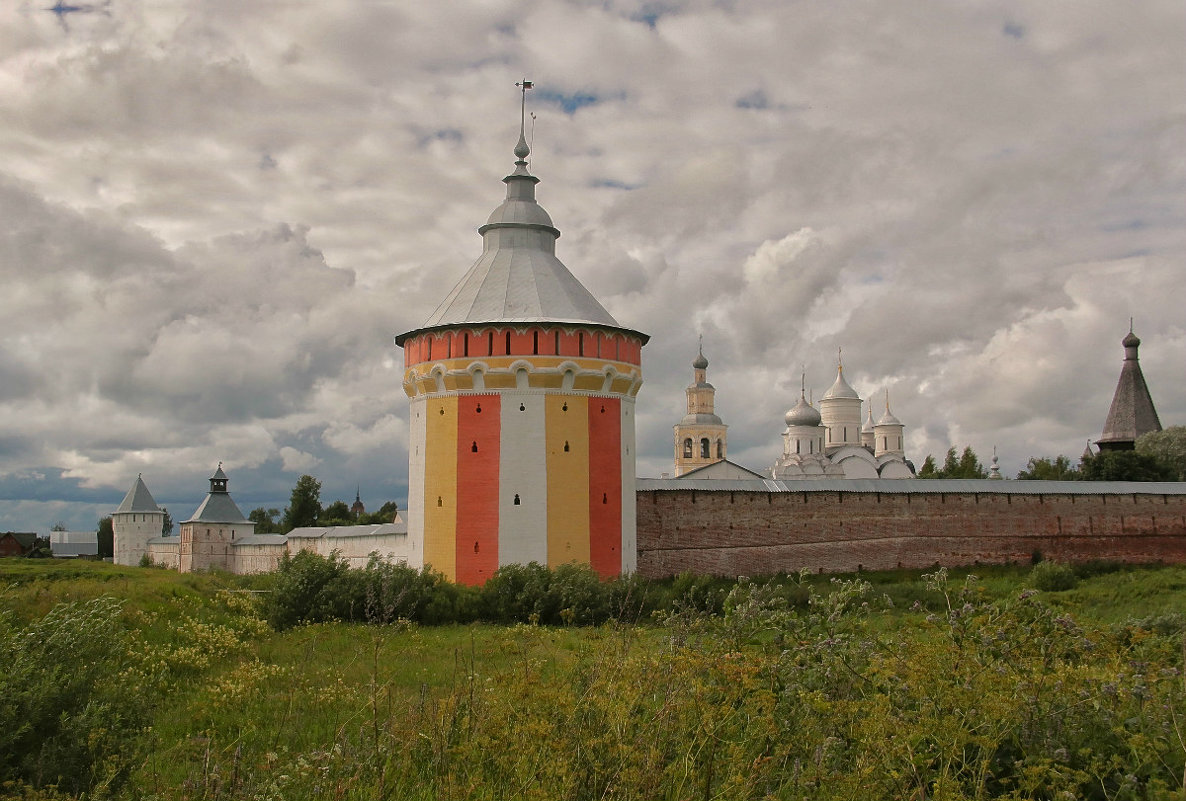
x=522, y=392
x=701, y=438
x=840, y=410
x=137, y=520
x=888, y=434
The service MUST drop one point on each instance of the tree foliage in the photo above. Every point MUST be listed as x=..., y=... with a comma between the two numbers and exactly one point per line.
x=304, y=506
x=966, y=465
x=1125, y=466
x=1168, y=447
x=337, y=513
x=1046, y=469
x=106, y=537
x=266, y=520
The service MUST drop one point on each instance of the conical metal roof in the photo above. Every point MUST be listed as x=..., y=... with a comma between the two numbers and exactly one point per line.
x=138, y=499
x=518, y=278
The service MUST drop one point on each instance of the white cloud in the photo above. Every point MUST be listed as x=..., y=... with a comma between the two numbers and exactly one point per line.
x=214, y=216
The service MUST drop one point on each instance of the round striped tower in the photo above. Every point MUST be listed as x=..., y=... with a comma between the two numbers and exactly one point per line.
x=522, y=392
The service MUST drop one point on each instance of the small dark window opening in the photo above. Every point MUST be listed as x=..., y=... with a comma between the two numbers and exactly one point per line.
x=490, y=347
x=522, y=408
x=475, y=546
x=442, y=412
x=430, y=348
x=557, y=343
x=465, y=346
x=566, y=446
x=704, y=448
x=516, y=499
x=687, y=448
x=564, y=408
x=603, y=408
x=604, y=498
x=720, y=449
x=535, y=343
x=797, y=444
x=474, y=447
x=439, y=501
x=581, y=344
x=508, y=343
x=479, y=409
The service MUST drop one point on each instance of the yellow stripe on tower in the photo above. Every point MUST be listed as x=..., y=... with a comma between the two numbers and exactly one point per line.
x=440, y=486
x=566, y=420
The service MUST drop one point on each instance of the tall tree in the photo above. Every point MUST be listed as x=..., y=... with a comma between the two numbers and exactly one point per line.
x=1046, y=469
x=106, y=537
x=1168, y=447
x=966, y=465
x=304, y=506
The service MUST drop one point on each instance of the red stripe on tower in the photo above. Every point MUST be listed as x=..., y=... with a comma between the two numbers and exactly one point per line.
x=605, y=486
x=478, y=432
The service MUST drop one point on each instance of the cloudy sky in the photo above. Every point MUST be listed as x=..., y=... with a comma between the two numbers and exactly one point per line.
x=215, y=215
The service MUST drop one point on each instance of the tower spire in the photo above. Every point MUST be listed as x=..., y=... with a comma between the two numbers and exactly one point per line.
x=522, y=150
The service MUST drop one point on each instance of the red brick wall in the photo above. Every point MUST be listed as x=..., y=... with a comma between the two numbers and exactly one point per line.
x=753, y=533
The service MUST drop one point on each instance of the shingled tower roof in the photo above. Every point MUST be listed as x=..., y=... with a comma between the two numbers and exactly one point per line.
x=1132, y=413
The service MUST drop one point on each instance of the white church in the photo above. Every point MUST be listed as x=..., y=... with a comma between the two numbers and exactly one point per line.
x=824, y=443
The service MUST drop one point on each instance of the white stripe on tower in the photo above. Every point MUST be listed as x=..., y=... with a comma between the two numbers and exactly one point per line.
x=522, y=471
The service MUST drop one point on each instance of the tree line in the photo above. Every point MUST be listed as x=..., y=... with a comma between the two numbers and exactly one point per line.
x=304, y=509
x=1158, y=456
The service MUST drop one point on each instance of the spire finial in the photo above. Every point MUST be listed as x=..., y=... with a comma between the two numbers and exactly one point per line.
x=887, y=400
x=803, y=382
x=1130, y=325
x=522, y=151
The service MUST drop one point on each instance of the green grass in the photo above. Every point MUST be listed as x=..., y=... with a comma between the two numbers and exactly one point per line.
x=695, y=707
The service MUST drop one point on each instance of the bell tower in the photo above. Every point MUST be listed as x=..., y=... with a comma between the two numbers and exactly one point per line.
x=700, y=437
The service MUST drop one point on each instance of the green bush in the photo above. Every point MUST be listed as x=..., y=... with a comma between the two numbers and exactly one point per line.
x=68, y=718
x=1053, y=577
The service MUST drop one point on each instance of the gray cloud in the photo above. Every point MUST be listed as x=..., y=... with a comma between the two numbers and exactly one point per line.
x=214, y=216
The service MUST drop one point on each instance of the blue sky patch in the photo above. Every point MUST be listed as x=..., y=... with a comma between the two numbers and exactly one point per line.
x=610, y=183
x=568, y=103
x=756, y=99
x=1014, y=30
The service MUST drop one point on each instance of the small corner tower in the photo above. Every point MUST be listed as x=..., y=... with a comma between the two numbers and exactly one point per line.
x=1132, y=413
x=209, y=535
x=840, y=410
x=522, y=390
x=700, y=437
x=888, y=434
x=137, y=520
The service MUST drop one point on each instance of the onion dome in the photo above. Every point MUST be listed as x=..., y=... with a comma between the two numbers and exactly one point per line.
x=840, y=388
x=867, y=428
x=888, y=419
x=803, y=414
x=700, y=363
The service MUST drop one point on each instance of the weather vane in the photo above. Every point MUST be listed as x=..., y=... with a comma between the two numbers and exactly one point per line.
x=524, y=85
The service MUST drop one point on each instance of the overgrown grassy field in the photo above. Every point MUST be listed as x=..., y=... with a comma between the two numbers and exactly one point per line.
x=138, y=683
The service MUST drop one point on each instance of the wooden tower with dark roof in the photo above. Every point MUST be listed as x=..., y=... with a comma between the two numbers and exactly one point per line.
x=1132, y=413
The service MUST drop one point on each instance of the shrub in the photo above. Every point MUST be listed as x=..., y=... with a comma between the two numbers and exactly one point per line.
x=68, y=719
x=310, y=588
x=1053, y=577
